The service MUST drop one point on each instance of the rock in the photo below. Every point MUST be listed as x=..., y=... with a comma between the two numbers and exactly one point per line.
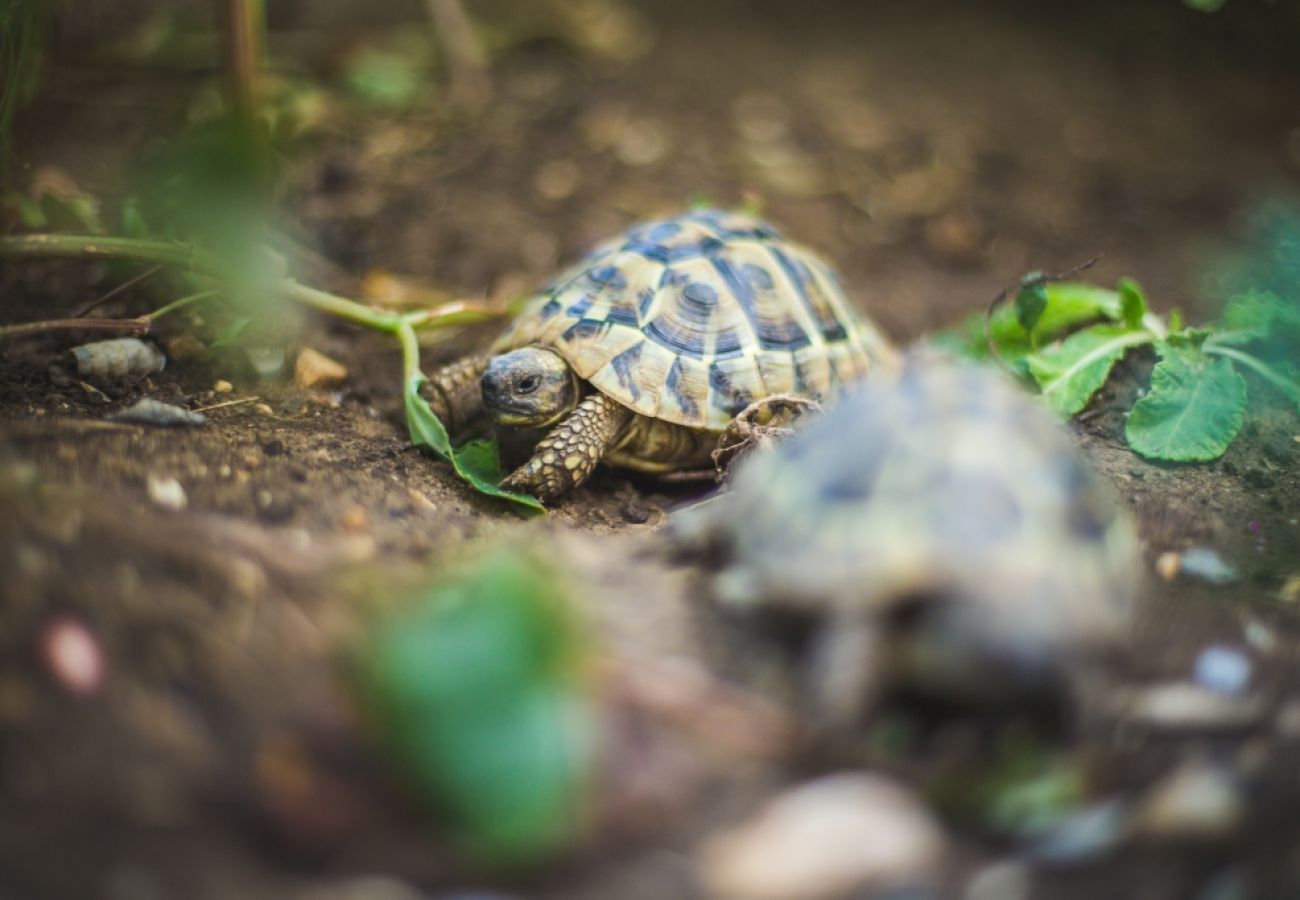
x=221, y=386
x=840, y=835
x=73, y=656
x=267, y=362
x=118, y=358
x=1199, y=801
x=1206, y=564
x=315, y=369
x=146, y=411
x=1223, y=669
x=166, y=492
x=1005, y=880
x=1168, y=564
x=1186, y=707
x=1083, y=836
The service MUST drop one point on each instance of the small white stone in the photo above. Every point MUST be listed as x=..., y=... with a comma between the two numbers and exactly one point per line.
x=839, y=835
x=73, y=656
x=166, y=492
x=1000, y=881
x=1222, y=669
x=1197, y=802
x=1183, y=706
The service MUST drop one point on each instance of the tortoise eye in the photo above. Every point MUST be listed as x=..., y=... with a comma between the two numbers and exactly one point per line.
x=528, y=384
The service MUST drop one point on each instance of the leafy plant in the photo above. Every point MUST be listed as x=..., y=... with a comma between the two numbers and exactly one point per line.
x=476, y=691
x=1066, y=337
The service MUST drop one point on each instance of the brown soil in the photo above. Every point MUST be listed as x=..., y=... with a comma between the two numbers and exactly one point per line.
x=932, y=164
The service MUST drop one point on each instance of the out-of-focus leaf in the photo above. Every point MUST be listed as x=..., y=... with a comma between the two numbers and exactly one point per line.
x=1030, y=302
x=478, y=462
x=1194, y=408
x=1132, y=303
x=1071, y=372
x=477, y=691
x=231, y=332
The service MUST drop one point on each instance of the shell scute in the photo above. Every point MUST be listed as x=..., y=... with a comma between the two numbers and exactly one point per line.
x=689, y=319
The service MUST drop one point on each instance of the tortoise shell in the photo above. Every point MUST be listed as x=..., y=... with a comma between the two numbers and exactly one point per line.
x=946, y=482
x=691, y=319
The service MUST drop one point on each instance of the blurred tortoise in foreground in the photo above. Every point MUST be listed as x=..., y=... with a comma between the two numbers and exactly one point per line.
x=643, y=353
x=937, y=531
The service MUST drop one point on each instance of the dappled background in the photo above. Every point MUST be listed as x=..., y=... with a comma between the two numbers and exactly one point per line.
x=199, y=691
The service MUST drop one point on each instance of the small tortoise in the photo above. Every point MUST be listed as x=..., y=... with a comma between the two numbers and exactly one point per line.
x=643, y=353
x=937, y=530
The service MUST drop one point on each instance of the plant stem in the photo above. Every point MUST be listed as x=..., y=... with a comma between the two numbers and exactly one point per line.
x=130, y=326
x=179, y=304
x=64, y=246
x=341, y=307
x=410, y=352
x=1259, y=367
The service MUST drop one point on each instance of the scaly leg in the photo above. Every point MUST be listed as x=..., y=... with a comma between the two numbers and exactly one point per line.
x=568, y=455
x=762, y=424
x=454, y=394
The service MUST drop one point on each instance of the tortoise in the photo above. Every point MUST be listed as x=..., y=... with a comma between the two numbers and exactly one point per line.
x=935, y=532
x=641, y=354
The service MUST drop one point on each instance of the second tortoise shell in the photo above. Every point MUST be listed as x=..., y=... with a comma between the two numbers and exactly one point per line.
x=691, y=319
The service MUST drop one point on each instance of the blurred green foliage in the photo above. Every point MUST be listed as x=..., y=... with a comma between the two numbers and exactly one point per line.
x=476, y=692
x=24, y=28
x=1065, y=338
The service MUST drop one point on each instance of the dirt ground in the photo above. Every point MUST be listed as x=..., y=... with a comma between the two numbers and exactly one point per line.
x=933, y=151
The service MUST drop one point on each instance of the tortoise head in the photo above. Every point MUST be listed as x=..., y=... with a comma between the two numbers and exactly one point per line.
x=530, y=387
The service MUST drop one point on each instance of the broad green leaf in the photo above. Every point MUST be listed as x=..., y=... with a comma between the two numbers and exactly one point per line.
x=1071, y=372
x=477, y=691
x=477, y=462
x=1071, y=303
x=1132, y=303
x=1193, y=410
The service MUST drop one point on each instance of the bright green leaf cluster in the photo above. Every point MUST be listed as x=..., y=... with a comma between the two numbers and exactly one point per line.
x=1066, y=337
x=476, y=691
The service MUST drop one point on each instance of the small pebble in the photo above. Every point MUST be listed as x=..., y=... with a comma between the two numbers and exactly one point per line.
x=1260, y=637
x=355, y=519
x=1000, y=881
x=1290, y=590
x=1199, y=801
x=146, y=411
x=1167, y=565
x=1222, y=669
x=73, y=656
x=221, y=386
x=118, y=358
x=1187, y=707
x=845, y=834
x=166, y=492
x=1206, y=564
x=267, y=362
x=315, y=369
x=1083, y=836
x=264, y=409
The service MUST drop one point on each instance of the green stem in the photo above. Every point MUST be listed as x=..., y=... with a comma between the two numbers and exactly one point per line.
x=1259, y=367
x=410, y=353
x=341, y=307
x=179, y=304
x=64, y=246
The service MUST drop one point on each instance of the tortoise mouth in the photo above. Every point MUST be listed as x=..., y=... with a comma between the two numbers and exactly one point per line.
x=525, y=418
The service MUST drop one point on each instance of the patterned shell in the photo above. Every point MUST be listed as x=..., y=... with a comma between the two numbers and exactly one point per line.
x=691, y=319
x=946, y=482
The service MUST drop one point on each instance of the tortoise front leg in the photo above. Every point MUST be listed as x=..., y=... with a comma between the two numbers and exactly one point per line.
x=454, y=394
x=568, y=455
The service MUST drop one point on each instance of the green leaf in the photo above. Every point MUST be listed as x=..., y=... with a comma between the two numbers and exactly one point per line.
x=231, y=332
x=1260, y=316
x=1071, y=372
x=1031, y=301
x=1283, y=377
x=1193, y=410
x=477, y=691
x=477, y=462
x=1132, y=303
